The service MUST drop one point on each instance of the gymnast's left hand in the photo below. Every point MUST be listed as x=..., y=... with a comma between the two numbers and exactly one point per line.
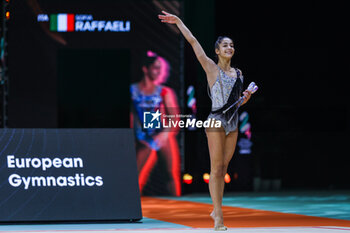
x=246, y=96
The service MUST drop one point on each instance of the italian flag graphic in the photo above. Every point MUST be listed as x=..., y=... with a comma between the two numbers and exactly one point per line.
x=62, y=22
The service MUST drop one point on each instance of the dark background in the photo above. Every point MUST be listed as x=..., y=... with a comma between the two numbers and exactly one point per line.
x=90, y=96
x=295, y=52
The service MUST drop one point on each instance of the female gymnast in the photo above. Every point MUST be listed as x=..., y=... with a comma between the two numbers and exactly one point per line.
x=149, y=95
x=226, y=86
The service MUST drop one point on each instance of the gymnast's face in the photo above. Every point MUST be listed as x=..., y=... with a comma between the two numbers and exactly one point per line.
x=226, y=49
x=153, y=70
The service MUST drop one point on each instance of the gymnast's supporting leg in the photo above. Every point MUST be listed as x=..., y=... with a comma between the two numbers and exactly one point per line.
x=216, y=143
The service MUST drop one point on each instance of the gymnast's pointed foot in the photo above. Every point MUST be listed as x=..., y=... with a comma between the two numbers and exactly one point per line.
x=218, y=222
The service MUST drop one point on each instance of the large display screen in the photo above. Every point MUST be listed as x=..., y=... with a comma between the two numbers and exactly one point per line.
x=82, y=63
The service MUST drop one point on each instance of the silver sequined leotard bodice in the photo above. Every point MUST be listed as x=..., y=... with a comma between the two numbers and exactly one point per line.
x=224, y=95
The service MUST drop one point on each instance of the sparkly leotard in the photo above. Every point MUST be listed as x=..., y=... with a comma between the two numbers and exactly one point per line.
x=226, y=91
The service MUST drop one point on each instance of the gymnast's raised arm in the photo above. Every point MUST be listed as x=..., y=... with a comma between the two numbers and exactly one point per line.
x=208, y=64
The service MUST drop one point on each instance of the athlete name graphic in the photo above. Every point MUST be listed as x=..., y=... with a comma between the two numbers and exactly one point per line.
x=82, y=22
x=45, y=164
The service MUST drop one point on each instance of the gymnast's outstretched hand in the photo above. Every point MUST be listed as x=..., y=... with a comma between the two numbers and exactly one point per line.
x=169, y=18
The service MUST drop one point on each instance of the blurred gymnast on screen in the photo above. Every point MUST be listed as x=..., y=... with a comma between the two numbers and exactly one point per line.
x=149, y=95
x=226, y=86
